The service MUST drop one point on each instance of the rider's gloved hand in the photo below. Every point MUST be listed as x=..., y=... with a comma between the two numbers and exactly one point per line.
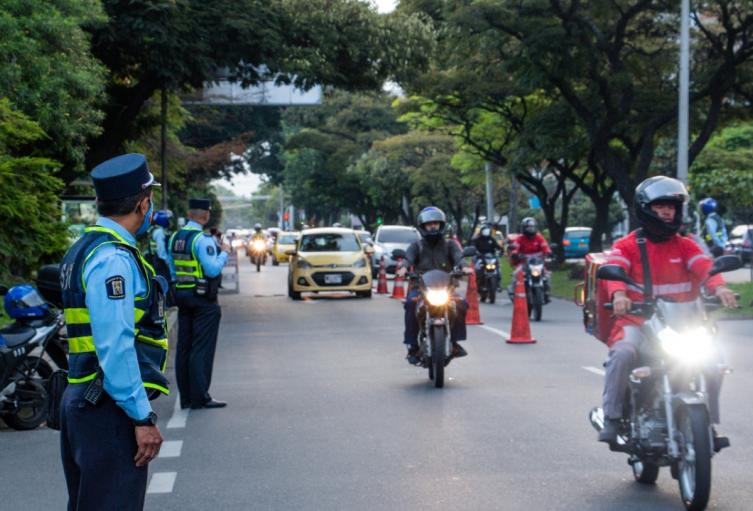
x=727, y=297
x=621, y=303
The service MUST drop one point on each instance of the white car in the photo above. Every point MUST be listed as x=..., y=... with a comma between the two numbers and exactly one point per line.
x=387, y=239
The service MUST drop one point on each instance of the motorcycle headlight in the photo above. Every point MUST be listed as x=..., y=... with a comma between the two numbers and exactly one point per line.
x=536, y=273
x=302, y=263
x=491, y=266
x=361, y=263
x=259, y=245
x=690, y=347
x=437, y=297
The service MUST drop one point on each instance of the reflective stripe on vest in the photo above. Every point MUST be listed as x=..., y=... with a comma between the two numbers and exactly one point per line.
x=150, y=334
x=187, y=267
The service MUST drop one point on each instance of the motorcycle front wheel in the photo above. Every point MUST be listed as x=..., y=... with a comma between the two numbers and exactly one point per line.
x=492, y=287
x=31, y=395
x=536, y=304
x=438, y=355
x=694, y=470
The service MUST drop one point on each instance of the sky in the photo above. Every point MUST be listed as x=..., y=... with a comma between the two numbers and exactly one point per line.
x=246, y=184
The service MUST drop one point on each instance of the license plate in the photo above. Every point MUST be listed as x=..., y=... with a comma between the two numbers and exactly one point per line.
x=333, y=279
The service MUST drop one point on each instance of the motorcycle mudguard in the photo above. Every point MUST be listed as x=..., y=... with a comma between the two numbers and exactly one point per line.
x=688, y=399
x=57, y=353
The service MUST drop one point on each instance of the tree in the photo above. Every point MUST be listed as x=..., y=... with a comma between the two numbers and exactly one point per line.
x=49, y=73
x=32, y=231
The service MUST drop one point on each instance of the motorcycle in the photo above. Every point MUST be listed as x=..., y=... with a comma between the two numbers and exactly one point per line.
x=37, y=331
x=666, y=415
x=257, y=252
x=487, y=276
x=536, y=281
x=434, y=310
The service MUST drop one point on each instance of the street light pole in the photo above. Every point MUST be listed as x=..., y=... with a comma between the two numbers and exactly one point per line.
x=682, y=122
x=488, y=168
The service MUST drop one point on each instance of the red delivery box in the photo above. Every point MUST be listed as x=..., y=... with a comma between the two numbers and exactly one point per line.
x=592, y=295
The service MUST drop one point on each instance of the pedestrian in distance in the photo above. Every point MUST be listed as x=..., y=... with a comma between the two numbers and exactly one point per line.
x=114, y=311
x=198, y=263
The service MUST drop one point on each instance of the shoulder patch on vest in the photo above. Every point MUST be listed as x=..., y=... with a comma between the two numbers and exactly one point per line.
x=115, y=288
x=210, y=250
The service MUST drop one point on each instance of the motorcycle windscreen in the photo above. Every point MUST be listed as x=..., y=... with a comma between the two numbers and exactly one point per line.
x=435, y=279
x=680, y=316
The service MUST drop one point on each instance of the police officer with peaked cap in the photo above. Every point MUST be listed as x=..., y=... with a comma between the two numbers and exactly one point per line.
x=114, y=312
x=198, y=264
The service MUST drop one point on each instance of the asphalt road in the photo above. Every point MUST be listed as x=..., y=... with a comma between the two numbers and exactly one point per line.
x=325, y=414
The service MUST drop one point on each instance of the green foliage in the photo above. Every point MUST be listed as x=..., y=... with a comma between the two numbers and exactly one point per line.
x=49, y=73
x=32, y=232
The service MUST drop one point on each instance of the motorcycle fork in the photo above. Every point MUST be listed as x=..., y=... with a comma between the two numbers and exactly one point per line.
x=674, y=451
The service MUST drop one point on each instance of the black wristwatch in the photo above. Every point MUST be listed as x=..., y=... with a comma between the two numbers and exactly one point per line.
x=151, y=420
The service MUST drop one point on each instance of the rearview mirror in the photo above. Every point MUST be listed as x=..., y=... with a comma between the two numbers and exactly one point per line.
x=725, y=263
x=470, y=252
x=398, y=253
x=613, y=272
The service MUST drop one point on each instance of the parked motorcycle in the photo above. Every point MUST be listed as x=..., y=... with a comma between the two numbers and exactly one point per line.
x=487, y=276
x=37, y=331
x=666, y=417
x=257, y=252
x=435, y=309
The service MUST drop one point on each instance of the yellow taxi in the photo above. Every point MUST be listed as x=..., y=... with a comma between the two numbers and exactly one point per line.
x=329, y=259
x=283, y=242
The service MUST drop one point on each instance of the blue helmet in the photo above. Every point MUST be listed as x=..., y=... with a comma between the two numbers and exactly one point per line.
x=161, y=218
x=23, y=301
x=708, y=205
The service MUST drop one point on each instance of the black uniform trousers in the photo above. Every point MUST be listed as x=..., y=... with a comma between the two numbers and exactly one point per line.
x=98, y=445
x=198, y=325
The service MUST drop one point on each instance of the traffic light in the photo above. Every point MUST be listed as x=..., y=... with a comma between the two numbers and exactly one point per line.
x=379, y=220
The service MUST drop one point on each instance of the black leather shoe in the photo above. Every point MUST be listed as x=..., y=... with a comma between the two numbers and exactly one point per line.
x=412, y=356
x=608, y=433
x=212, y=403
x=720, y=442
x=458, y=351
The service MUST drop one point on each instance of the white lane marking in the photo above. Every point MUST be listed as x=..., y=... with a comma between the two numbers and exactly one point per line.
x=171, y=449
x=494, y=330
x=162, y=482
x=178, y=420
x=594, y=370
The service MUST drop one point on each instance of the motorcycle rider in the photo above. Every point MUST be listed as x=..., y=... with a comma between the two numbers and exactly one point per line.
x=714, y=230
x=677, y=267
x=485, y=243
x=432, y=252
x=529, y=243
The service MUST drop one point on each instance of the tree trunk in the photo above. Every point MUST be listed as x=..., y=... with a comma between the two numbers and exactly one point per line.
x=601, y=224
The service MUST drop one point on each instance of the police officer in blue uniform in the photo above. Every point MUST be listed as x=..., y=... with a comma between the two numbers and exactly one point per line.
x=198, y=263
x=114, y=312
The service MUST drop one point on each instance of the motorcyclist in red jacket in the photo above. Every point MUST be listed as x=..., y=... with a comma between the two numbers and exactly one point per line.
x=529, y=243
x=677, y=267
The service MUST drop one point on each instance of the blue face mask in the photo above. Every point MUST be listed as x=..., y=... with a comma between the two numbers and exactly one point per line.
x=147, y=220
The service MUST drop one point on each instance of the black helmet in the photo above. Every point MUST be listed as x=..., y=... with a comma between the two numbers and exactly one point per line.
x=528, y=226
x=659, y=189
x=432, y=214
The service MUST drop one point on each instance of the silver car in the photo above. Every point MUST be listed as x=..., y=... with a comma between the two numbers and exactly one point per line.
x=387, y=239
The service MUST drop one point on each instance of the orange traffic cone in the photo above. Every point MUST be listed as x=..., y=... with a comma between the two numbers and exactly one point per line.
x=521, y=328
x=472, y=317
x=398, y=287
x=382, y=282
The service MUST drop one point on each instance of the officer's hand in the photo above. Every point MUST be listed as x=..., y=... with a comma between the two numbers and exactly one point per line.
x=621, y=303
x=727, y=297
x=149, y=441
x=226, y=248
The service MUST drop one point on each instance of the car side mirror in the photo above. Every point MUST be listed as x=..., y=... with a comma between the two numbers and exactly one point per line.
x=725, y=263
x=613, y=272
x=470, y=252
x=291, y=252
x=398, y=253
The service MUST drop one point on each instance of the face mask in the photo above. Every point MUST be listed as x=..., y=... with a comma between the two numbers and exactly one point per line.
x=147, y=220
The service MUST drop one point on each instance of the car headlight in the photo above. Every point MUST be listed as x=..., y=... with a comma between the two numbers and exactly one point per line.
x=437, y=297
x=361, y=263
x=691, y=347
x=302, y=263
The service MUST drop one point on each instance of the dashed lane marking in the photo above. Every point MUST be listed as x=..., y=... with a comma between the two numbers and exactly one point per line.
x=494, y=330
x=178, y=420
x=162, y=482
x=594, y=370
x=171, y=449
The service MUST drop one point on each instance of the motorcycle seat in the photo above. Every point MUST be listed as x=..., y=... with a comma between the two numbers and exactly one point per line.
x=15, y=335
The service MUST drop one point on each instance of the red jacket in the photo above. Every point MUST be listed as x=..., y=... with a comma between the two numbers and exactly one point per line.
x=677, y=267
x=523, y=245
